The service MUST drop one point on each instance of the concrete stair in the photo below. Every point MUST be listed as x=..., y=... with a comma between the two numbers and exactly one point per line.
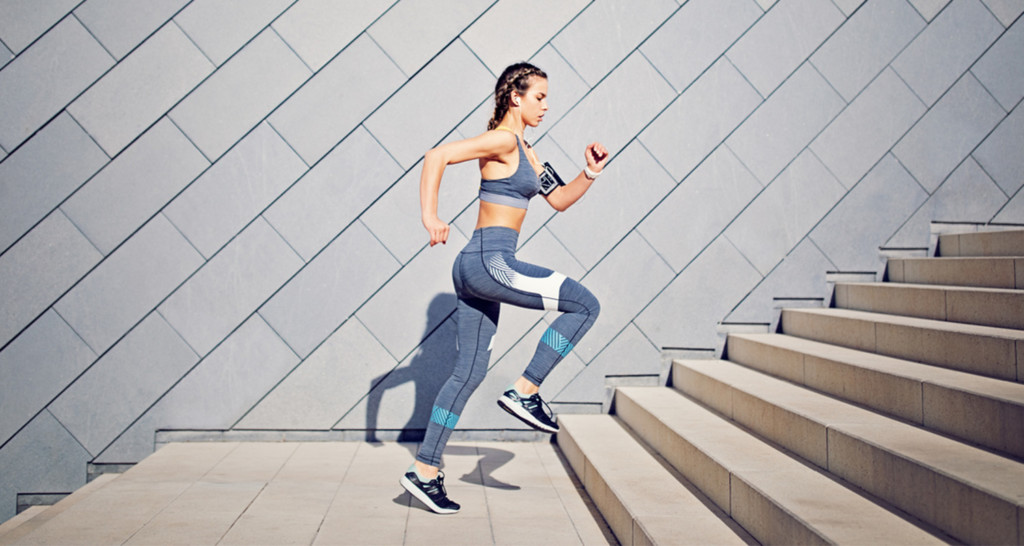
x=896, y=416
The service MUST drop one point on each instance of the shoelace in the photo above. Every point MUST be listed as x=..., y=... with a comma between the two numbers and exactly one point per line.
x=435, y=490
x=531, y=402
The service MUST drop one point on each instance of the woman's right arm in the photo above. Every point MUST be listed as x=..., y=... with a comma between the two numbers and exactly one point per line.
x=489, y=145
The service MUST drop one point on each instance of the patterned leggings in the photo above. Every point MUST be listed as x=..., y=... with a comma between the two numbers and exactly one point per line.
x=486, y=274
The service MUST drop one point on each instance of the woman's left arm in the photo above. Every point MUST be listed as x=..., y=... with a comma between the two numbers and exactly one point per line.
x=563, y=197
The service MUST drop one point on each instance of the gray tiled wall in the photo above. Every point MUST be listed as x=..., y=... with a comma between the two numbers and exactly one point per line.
x=209, y=210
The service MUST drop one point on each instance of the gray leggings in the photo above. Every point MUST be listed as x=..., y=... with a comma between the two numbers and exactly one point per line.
x=486, y=274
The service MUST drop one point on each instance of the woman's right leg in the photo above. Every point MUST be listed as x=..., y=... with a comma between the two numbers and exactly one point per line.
x=477, y=323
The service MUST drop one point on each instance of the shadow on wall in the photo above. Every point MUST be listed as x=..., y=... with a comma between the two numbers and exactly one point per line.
x=428, y=369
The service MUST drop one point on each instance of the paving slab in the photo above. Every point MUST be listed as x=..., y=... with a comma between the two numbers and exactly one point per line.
x=323, y=493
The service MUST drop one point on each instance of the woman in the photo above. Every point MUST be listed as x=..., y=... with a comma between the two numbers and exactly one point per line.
x=486, y=272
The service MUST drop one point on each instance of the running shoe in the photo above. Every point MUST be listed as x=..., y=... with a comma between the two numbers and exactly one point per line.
x=531, y=410
x=431, y=493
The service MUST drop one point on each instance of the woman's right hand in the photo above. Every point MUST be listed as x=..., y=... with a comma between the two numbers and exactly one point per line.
x=437, y=229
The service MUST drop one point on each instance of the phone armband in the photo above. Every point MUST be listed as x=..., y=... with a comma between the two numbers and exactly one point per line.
x=549, y=180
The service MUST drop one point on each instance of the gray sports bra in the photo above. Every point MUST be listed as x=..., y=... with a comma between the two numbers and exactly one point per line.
x=516, y=190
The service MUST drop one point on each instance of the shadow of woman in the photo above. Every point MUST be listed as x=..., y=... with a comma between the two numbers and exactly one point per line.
x=427, y=370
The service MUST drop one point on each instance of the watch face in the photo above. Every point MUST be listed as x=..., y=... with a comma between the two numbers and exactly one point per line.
x=549, y=180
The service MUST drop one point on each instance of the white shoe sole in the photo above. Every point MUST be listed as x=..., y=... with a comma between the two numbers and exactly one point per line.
x=523, y=415
x=422, y=497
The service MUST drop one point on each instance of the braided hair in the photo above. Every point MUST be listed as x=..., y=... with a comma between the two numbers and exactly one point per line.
x=515, y=78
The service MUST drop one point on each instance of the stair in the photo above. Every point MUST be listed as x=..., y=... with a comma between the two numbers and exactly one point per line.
x=896, y=416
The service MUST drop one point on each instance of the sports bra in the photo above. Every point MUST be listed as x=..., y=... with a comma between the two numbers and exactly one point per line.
x=516, y=190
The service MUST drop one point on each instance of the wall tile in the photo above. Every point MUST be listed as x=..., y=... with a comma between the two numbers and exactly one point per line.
x=232, y=101
x=318, y=29
x=1005, y=10
x=499, y=44
x=621, y=27
x=331, y=195
x=395, y=218
x=612, y=207
x=232, y=192
x=696, y=36
x=1000, y=155
x=221, y=28
x=36, y=367
x=948, y=132
x=427, y=277
x=968, y=195
x=214, y=394
x=685, y=315
x=107, y=398
x=42, y=173
x=868, y=216
x=618, y=109
x=785, y=212
x=950, y=44
x=413, y=31
x=420, y=114
x=1000, y=69
x=140, y=89
x=868, y=128
x=42, y=457
x=26, y=20
x=38, y=269
x=230, y=287
x=129, y=284
x=1012, y=212
x=848, y=6
x=42, y=80
x=326, y=385
x=331, y=104
x=697, y=211
x=328, y=290
x=858, y=51
x=700, y=119
x=630, y=353
x=114, y=203
x=5, y=55
x=625, y=282
x=929, y=8
x=120, y=25
x=801, y=274
x=785, y=123
x=792, y=31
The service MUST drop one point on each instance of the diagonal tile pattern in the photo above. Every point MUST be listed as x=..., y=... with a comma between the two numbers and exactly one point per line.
x=208, y=214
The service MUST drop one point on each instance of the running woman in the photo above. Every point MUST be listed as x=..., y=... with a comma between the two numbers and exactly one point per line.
x=487, y=273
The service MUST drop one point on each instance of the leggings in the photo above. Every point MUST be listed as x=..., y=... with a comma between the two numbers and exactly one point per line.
x=486, y=274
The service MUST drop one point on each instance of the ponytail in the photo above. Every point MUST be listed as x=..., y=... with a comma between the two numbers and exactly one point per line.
x=515, y=78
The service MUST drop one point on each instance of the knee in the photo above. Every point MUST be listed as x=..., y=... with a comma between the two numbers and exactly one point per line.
x=583, y=301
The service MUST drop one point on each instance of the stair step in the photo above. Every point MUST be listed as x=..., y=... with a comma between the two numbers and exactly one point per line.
x=982, y=243
x=974, y=495
x=985, y=350
x=986, y=272
x=982, y=306
x=773, y=496
x=982, y=410
x=42, y=514
x=640, y=499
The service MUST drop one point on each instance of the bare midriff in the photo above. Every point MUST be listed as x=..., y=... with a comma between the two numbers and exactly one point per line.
x=493, y=214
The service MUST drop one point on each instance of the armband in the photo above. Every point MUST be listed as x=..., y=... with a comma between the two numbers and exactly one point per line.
x=549, y=180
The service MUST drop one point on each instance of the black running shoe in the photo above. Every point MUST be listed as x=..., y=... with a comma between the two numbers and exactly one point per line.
x=530, y=410
x=431, y=493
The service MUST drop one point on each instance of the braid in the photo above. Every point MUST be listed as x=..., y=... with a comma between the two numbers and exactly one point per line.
x=515, y=78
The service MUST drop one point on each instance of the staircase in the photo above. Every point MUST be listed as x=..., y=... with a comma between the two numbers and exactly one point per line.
x=895, y=417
